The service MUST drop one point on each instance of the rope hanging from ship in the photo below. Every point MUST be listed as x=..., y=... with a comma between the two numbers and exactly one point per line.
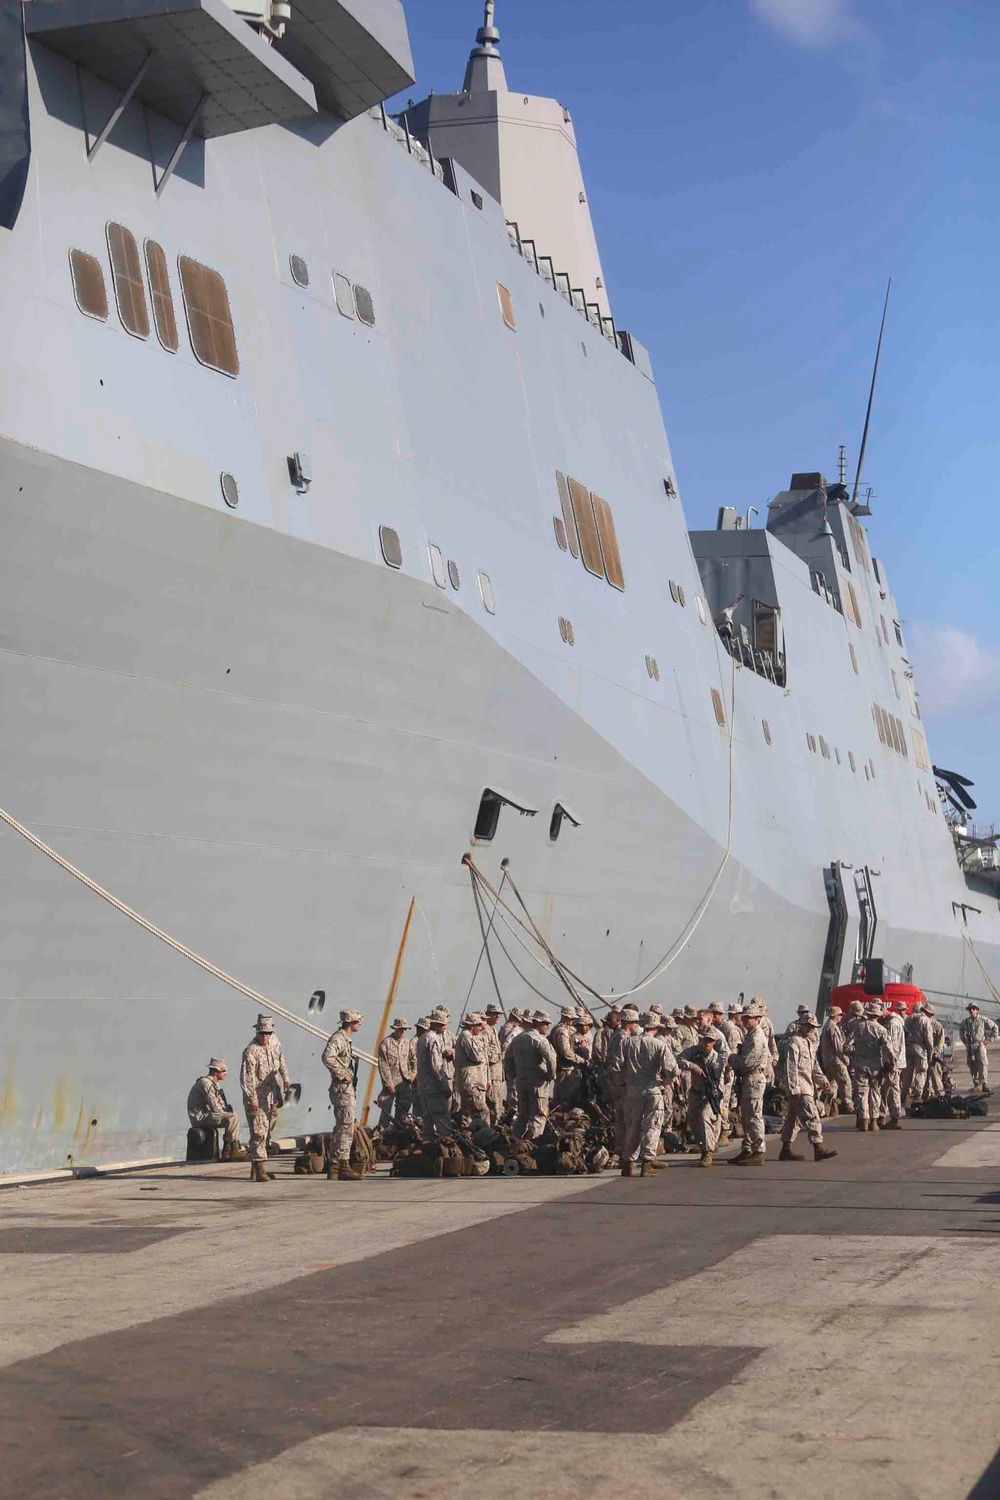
x=261, y=1001
x=553, y=964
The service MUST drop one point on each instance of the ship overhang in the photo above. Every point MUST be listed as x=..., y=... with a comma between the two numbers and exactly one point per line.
x=196, y=58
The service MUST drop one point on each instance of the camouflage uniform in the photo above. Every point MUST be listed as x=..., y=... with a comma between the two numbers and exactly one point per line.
x=753, y=1063
x=436, y=1083
x=871, y=1054
x=974, y=1032
x=569, y=1074
x=645, y=1066
x=919, y=1046
x=265, y=1082
x=891, y=1090
x=338, y=1059
x=472, y=1067
x=802, y=1077
x=530, y=1065
x=704, y=1120
x=935, y=1075
x=833, y=1059
x=494, y=1055
x=396, y=1070
x=207, y=1106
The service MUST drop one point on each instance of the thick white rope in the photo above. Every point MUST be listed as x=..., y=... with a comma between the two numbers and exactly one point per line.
x=261, y=1001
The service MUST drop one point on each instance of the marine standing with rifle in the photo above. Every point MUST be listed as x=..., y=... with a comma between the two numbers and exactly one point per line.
x=706, y=1070
x=342, y=1065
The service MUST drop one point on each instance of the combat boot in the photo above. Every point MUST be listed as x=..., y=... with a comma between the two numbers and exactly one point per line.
x=787, y=1154
x=235, y=1152
x=861, y=1125
x=346, y=1173
x=258, y=1172
x=648, y=1169
x=820, y=1153
x=894, y=1125
x=628, y=1170
x=743, y=1160
x=754, y=1159
x=706, y=1159
x=874, y=1125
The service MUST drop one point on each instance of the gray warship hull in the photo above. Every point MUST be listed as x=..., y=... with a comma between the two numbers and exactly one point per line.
x=254, y=732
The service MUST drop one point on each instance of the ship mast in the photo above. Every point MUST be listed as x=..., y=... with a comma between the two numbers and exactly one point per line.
x=871, y=397
x=484, y=72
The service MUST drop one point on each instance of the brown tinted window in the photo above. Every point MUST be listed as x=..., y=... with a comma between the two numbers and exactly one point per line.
x=559, y=526
x=719, y=706
x=586, y=525
x=609, y=542
x=506, y=306
x=853, y=610
x=88, y=284
x=210, y=323
x=389, y=542
x=164, y=318
x=567, y=510
x=126, y=273
x=365, y=306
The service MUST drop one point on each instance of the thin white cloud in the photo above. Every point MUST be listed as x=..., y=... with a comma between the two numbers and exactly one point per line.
x=955, y=672
x=809, y=23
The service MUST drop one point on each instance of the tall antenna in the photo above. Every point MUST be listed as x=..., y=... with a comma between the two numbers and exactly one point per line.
x=842, y=463
x=871, y=396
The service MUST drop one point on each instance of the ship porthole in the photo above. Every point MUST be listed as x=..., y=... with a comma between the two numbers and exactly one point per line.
x=230, y=489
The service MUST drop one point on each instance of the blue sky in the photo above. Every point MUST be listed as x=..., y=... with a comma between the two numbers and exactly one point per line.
x=756, y=170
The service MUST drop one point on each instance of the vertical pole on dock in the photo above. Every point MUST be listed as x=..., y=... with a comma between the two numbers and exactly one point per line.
x=387, y=1008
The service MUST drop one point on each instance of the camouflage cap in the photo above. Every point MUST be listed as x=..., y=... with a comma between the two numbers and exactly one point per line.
x=808, y=1019
x=584, y=1018
x=630, y=1013
x=493, y=1009
x=265, y=1025
x=541, y=1018
x=656, y=1009
x=474, y=1018
x=971, y=1006
x=400, y=1025
x=423, y=1023
x=440, y=1015
x=568, y=1013
x=717, y=1008
x=856, y=1008
x=689, y=1013
x=758, y=1000
x=217, y=1065
x=754, y=1009
x=928, y=1010
x=348, y=1017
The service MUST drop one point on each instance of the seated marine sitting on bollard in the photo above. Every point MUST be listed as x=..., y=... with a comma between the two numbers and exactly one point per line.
x=209, y=1109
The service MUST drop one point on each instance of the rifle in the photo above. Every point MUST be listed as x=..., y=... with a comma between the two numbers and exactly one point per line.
x=466, y=1143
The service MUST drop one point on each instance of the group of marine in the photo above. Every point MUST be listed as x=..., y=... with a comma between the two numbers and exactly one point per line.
x=706, y=1072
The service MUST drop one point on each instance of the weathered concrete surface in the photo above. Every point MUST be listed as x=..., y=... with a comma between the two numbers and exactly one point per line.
x=801, y=1330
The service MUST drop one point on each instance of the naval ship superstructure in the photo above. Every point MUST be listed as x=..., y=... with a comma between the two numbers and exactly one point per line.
x=342, y=540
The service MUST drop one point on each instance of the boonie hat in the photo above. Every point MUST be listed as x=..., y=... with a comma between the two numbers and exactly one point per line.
x=493, y=1009
x=347, y=1017
x=440, y=1015
x=216, y=1065
x=400, y=1025
x=540, y=1017
x=265, y=1024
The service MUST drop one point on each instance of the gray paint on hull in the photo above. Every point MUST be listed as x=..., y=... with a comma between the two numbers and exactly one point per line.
x=266, y=748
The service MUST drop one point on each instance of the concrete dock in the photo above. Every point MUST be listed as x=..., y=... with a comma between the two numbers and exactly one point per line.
x=802, y=1330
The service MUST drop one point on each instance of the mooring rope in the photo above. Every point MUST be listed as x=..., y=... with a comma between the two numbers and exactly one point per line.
x=261, y=1001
